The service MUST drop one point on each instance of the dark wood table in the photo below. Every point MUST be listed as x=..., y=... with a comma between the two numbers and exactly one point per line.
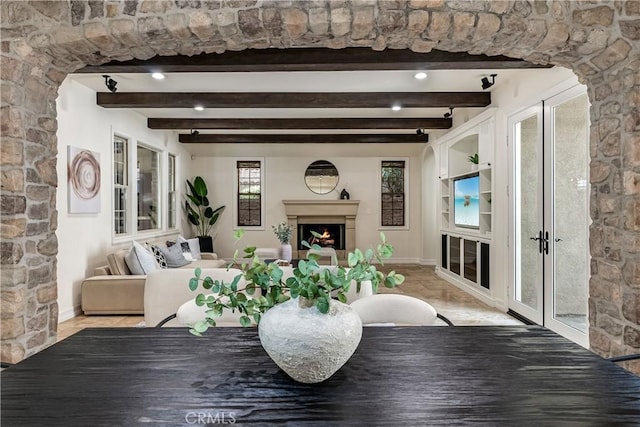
x=429, y=376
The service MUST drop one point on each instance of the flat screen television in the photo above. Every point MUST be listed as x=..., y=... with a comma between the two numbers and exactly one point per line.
x=466, y=206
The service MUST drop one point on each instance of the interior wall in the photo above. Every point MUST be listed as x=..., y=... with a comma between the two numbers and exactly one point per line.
x=84, y=240
x=284, y=180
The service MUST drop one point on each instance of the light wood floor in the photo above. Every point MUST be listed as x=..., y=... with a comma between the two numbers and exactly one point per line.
x=421, y=282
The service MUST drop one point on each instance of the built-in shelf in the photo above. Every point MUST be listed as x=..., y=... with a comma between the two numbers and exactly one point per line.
x=465, y=251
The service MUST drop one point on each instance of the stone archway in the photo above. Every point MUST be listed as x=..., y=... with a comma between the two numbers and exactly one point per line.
x=43, y=41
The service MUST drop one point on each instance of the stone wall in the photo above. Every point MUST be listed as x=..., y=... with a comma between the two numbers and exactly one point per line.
x=42, y=41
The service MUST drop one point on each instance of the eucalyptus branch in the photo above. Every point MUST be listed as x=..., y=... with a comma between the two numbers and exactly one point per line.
x=313, y=284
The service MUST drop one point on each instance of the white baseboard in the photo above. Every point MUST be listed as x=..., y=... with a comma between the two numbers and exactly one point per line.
x=402, y=261
x=69, y=314
x=427, y=262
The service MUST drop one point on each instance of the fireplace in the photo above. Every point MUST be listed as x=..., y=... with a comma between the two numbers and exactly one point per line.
x=337, y=216
x=332, y=235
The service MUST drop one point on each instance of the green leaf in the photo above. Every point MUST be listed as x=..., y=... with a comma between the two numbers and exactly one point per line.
x=201, y=326
x=193, y=283
x=207, y=283
x=342, y=297
x=323, y=305
x=197, y=272
x=199, y=187
x=245, y=321
x=194, y=332
x=200, y=300
x=237, y=234
x=256, y=317
x=352, y=259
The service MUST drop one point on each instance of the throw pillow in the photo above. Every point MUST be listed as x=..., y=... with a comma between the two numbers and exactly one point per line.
x=173, y=256
x=194, y=246
x=139, y=260
x=158, y=253
x=186, y=251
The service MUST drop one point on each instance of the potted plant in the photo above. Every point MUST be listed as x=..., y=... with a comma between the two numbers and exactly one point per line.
x=200, y=213
x=283, y=232
x=474, y=160
x=303, y=320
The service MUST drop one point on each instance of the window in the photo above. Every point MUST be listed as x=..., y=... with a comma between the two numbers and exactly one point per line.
x=148, y=189
x=393, y=193
x=249, y=193
x=120, y=184
x=171, y=196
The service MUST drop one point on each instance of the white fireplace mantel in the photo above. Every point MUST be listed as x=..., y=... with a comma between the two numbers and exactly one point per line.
x=327, y=211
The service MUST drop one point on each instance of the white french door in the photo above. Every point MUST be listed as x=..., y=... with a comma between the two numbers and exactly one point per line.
x=550, y=213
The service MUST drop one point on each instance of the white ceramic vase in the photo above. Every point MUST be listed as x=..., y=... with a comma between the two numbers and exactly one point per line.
x=285, y=252
x=308, y=345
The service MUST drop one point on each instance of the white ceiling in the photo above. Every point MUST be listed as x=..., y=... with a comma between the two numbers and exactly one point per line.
x=299, y=81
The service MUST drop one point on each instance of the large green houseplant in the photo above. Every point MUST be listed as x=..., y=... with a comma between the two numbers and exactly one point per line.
x=303, y=322
x=200, y=213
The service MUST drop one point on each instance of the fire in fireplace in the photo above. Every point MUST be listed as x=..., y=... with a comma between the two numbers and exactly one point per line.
x=332, y=235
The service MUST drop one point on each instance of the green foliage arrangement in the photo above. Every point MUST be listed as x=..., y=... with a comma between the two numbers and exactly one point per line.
x=474, y=159
x=265, y=287
x=283, y=232
x=199, y=212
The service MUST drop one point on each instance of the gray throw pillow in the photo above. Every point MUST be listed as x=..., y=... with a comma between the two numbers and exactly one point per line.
x=194, y=246
x=173, y=255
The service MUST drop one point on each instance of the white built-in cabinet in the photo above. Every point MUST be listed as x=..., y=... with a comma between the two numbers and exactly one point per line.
x=465, y=251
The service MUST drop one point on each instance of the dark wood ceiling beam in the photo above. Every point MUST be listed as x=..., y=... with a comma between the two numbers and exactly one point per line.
x=324, y=123
x=293, y=99
x=302, y=138
x=314, y=59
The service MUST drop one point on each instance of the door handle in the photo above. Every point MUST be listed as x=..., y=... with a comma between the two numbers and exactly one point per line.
x=546, y=243
x=540, y=240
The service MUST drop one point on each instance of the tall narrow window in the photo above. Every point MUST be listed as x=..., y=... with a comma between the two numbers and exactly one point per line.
x=120, y=184
x=148, y=189
x=171, y=196
x=249, y=193
x=393, y=197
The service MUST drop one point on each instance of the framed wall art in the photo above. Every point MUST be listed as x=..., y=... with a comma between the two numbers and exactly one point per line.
x=83, y=177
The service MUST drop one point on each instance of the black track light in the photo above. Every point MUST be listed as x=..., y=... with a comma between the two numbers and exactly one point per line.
x=110, y=83
x=449, y=114
x=486, y=84
x=195, y=132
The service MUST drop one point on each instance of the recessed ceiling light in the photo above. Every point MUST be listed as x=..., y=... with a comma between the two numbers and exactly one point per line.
x=420, y=76
x=396, y=107
x=198, y=108
x=157, y=76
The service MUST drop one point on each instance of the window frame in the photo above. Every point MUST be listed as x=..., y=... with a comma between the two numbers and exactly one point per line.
x=236, y=193
x=172, y=191
x=131, y=211
x=126, y=186
x=405, y=189
x=160, y=204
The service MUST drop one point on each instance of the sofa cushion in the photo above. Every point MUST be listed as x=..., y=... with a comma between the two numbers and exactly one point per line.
x=139, y=260
x=173, y=256
x=117, y=264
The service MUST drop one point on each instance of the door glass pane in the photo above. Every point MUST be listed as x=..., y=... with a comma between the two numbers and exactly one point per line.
x=528, y=272
x=571, y=213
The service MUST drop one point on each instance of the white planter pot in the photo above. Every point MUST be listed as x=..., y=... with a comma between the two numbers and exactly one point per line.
x=285, y=252
x=308, y=345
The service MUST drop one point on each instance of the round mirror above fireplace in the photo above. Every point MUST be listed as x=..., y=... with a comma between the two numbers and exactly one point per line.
x=321, y=177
